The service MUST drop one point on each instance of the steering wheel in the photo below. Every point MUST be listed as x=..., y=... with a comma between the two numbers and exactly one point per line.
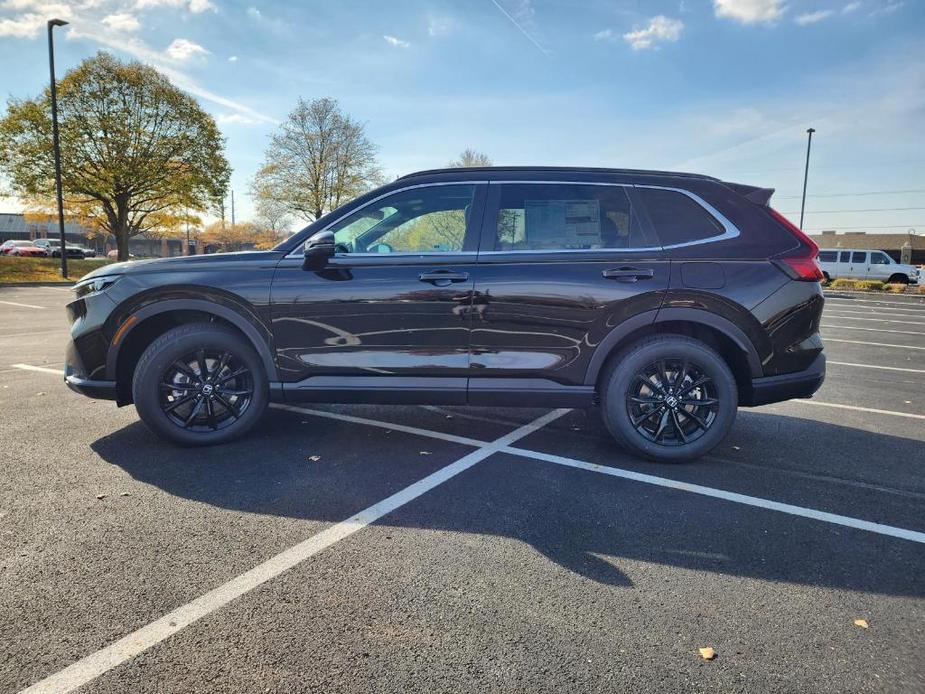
x=341, y=248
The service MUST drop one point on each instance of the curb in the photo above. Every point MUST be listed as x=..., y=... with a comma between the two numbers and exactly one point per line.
x=37, y=284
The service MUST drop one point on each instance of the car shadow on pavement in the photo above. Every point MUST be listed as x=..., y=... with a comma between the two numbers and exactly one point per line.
x=583, y=521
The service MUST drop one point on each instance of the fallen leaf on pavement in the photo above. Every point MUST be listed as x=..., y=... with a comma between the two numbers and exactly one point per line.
x=314, y=458
x=425, y=452
x=100, y=496
x=861, y=623
x=707, y=653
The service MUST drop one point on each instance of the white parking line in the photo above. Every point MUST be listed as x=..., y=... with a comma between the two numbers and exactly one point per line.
x=878, y=528
x=14, y=303
x=40, y=369
x=872, y=344
x=876, y=320
x=871, y=366
x=855, y=408
x=849, y=302
x=92, y=666
x=889, y=312
x=874, y=330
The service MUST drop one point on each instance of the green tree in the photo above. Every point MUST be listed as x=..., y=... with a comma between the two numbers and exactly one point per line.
x=136, y=152
x=319, y=159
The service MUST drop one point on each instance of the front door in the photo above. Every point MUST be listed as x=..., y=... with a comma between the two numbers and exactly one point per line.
x=390, y=314
x=560, y=265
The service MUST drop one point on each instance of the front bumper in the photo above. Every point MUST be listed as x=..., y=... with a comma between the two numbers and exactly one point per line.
x=98, y=390
x=801, y=384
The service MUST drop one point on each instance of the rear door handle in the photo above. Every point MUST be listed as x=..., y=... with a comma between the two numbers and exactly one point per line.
x=443, y=278
x=629, y=274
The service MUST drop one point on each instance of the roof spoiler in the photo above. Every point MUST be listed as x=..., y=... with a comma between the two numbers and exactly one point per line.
x=759, y=196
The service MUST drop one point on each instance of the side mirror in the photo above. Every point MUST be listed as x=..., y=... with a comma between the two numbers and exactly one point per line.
x=318, y=250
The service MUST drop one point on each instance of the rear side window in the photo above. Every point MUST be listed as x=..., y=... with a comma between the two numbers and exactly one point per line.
x=827, y=256
x=557, y=217
x=678, y=218
x=858, y=257
x=845, y=257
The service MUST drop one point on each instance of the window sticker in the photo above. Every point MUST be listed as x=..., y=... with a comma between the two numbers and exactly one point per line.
x=562, y=223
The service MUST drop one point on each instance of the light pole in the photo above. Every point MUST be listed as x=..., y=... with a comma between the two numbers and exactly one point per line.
x=809, y=144
x=52, y=23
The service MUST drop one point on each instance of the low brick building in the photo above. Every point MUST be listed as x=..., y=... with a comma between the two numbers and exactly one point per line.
x=891, y=244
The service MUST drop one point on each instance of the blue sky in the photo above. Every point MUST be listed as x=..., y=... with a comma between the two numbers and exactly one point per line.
x=723, y=87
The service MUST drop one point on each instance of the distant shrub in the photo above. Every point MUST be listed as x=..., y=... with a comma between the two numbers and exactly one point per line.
x=870, y=285
x=843, y=283
x=896, y=288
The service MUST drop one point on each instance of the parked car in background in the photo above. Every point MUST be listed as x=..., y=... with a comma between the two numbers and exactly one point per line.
x=6, y=248
x=88, y=252
x=22, y=248
x=859, y=264
x=53, y=248
x=669, y=300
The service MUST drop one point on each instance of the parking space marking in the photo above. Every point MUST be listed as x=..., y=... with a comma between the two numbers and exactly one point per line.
x=851, y=302
x=824, y=516
x=855, y=408
x=14, y=303
x=874, y=330
x=92, y=666
x=40, y=369
x=889, y=312
x=872, y=366
x=876, y=320
x=872, y=344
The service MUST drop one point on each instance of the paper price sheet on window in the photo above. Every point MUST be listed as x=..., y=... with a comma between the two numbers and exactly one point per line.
x=562, y=223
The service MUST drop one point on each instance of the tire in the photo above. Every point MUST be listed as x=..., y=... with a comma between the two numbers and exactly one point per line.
x=898, y=279
x=702, y=427
x=228, y=402
x=826, y=278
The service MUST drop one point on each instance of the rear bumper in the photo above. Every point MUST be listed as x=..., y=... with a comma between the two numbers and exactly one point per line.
x=801, y=384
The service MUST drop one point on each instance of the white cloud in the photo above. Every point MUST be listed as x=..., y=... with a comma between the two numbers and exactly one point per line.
x=889, y=8
x=232, y=59
x=121, y=21
x=194, y=6
x=254, y=13
x=25, y=26
x=660, y=28
x=397, y=42
x=750, y=11
x=198, y=6
x=184, y=49
x=851, y=7
x=605, y=35
x=813, y=17
x=440, y=26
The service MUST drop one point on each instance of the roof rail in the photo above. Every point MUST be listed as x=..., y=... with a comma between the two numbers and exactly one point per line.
x=559, y=169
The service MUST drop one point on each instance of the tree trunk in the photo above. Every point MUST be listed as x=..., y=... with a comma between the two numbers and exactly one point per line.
x=122, y=244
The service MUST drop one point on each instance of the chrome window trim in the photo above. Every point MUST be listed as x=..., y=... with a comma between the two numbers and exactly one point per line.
x=299, y=253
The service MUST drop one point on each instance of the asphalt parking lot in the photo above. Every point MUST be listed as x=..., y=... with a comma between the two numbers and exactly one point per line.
x=399, y=549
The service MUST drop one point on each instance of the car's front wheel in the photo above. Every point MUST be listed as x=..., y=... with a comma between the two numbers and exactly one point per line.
x=200, y=384
x=669, y=398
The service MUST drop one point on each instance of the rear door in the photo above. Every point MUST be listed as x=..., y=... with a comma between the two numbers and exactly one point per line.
x=560, y=265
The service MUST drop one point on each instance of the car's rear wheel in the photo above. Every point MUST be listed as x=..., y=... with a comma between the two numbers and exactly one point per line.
x=669, y=398
x=200, y=384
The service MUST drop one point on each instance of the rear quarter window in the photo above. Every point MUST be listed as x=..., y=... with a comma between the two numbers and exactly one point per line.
x=828, y=256
x=678, y=218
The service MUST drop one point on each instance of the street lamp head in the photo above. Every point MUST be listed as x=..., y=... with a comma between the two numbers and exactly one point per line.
x=811, y=130
x=56, y=23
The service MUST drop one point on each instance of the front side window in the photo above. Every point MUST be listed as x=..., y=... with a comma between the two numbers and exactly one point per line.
x=879, y=259
x=858, y=257
x=430, y=219
x=678, y=218
x=557, y=217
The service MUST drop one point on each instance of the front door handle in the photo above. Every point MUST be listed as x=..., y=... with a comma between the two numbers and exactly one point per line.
x=629, y=274
x=443, y=278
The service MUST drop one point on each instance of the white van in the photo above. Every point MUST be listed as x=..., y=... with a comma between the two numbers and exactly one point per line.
x=857, y=264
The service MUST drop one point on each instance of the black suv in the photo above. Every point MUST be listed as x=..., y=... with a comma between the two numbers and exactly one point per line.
x=668, y=299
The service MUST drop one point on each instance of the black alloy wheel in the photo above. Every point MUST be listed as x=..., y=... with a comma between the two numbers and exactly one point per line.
x=672, y=402
x=206, y=390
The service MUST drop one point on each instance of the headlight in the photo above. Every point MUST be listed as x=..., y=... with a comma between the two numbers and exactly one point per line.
x=94, y=285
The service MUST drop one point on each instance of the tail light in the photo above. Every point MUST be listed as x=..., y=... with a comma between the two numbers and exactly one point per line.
x=799, y=263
